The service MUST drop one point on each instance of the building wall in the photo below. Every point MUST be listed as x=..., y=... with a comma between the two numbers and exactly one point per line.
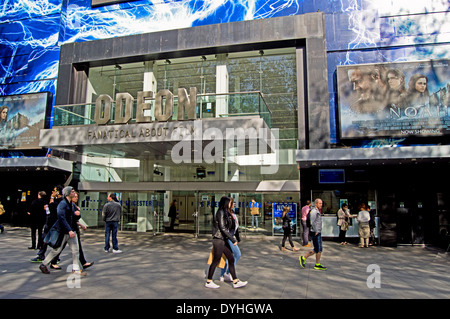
x=357, y=31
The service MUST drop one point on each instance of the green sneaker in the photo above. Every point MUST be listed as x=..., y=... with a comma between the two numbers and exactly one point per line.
x=302, y=261
x=320, y=267
x=36, y=260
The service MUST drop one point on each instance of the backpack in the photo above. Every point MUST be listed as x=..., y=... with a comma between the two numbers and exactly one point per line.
x=308, y=219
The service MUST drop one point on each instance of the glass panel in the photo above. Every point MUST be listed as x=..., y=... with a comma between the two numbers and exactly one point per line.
x=238, y=104
x=259, y=223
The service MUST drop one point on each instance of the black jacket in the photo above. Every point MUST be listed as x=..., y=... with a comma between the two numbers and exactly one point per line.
x=53, y=216
x=37, y=212
x=222, y=224
x=65, y=222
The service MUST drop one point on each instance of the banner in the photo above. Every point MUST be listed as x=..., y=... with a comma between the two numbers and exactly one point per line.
x=277, y=215
x=21, y=119
x=394, y=99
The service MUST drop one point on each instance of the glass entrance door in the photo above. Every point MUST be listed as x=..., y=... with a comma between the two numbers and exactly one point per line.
x=142, y=211
x=186, y=206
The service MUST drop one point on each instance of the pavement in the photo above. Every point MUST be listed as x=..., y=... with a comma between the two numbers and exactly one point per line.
x=173, y=266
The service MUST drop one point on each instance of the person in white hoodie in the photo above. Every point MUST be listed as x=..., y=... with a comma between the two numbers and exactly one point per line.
x=364, y=228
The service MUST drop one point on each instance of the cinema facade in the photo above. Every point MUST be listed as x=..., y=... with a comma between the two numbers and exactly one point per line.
x=241, y=109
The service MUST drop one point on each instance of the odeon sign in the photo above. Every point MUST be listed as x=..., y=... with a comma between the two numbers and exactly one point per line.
x=124, y=107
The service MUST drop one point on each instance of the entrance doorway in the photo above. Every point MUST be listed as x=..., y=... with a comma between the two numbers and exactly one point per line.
x=186, y=206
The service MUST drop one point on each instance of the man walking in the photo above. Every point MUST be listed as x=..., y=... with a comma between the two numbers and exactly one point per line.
x=316, y=230
x=52, y=217
x=112, y=213
x=37, y=220
x=66, y=227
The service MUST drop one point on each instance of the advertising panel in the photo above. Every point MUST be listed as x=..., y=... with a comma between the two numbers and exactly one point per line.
x=21, y=119
x=394, y=99
x=277, y=213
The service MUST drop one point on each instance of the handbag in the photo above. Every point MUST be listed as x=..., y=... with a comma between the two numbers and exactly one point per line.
x=344, y=225
x=222, y=262
x=53, y=238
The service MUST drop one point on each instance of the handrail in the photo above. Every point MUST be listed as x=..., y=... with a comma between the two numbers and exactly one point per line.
x=176, y=96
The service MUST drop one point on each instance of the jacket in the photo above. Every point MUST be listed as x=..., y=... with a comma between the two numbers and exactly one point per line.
x=65, y=222
x=38, y=215
x=112, y=212
x=222, y=224
x=316, y=221
x=52, y=217
x=234, y=231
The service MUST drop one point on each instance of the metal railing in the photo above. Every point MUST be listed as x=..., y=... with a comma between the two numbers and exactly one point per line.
x=212, y=105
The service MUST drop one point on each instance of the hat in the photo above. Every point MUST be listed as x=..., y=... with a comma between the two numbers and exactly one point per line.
x=66, y=191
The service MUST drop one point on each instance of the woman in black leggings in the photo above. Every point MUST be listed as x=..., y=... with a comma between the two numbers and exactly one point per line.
x=287, y=230
x=221, y=234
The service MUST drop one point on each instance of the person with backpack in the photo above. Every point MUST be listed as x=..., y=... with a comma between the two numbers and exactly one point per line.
x=315, y=220
x=305, y=235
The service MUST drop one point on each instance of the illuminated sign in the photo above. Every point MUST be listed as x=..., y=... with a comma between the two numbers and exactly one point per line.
x=124, y=107
x=394, y=99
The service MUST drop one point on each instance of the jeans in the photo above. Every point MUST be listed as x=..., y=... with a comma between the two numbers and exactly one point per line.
x=305, y=233
x=73, y=244
x=317, y=242
x=287, y=235
x=111, y=227
x=236, y=253
x=255, y=220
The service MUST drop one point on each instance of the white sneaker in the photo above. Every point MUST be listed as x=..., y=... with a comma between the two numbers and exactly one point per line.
x=212, y=285
x=240, y=284
x=117, y=251
x=227, y=277
x=106, y=250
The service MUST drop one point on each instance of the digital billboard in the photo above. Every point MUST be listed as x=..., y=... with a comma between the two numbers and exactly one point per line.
x=394, y=99
x=21, y=119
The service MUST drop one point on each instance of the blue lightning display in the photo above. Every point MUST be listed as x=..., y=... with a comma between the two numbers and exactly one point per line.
x=358, y=31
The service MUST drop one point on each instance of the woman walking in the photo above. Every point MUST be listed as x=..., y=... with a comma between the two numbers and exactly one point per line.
x=234, y=231
x=287, y=230
x=222, y=224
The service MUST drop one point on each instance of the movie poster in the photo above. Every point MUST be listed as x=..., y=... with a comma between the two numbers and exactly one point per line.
x=21, y=119
x=394, y=99
x=277, y=215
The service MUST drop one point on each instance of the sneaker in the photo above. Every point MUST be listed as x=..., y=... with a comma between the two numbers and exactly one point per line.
x=117, y=251
x=212, y=285
x=44, y=269
x=302, y=261
x=36, y=260
x=240, y=284
x=320, y=267
x=106, y=250
x=227, y=277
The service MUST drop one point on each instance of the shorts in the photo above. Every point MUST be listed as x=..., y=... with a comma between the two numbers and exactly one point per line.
x=317, y=242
